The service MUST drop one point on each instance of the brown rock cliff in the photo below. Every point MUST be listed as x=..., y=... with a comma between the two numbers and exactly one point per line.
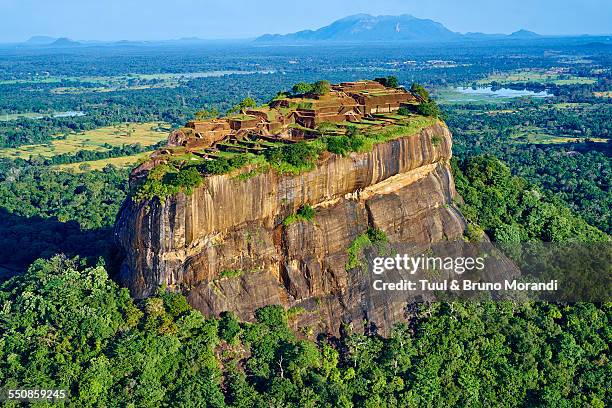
x=226, y=248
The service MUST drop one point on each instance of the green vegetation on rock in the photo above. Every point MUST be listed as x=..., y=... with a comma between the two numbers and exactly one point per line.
x=224, y=165
x=304, y=213
x=230, y=273
x=420, y=91
x=318, y=88
x=404, y=111
x=166, y=180
x=372, y=236
x=429, y=108
x=244, y=104
x=301, y=88
x=343, y=145
x=293, y=158
x=321, y=88
x=205, y=114
x=169, y=179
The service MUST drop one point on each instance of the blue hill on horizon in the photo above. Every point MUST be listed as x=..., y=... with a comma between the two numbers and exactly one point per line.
x=366, y=28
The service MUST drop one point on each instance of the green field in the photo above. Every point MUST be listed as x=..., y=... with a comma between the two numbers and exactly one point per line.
x=82, y=167
x=146, y=134
x=533, y=134
x=572, y=105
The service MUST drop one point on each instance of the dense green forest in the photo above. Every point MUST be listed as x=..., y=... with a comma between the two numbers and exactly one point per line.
x=64, y=325
x=579, y=173
x=46, y=212
x=511, y=210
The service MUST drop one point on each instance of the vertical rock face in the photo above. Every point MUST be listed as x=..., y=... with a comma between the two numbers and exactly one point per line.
x=226, y=248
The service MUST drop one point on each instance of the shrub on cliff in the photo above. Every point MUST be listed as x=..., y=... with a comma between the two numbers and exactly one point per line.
x=217, y=166
x=156, y=184
x=429, y=108
x=299, y=156
x=372, y=236
x=353, y=141
x=187, y=178
x=318, y=88
x=166, y=180
x=404, y=111
x=244, y=104
x=419, y=91
x=204, y=114
x=304, y=213
x=339, y=145
x=327, y=128
x=224, y=165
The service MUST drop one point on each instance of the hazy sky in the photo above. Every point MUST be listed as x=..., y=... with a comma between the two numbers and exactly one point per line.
x=167, y=19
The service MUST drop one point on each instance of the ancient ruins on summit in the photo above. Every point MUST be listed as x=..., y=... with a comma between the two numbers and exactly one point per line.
x=290, y=117
x=284, y=120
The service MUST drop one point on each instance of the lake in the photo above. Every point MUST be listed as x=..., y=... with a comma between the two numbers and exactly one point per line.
x=501, y=92
x=35, y=115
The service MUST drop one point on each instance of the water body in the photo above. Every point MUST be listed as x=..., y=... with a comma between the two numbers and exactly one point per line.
x=501, y=92
x=34, y=115
x=223, y=73
x=67, y=114
x=203, y=74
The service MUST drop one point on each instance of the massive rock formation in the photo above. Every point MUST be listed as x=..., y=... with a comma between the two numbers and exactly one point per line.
x=226, y=248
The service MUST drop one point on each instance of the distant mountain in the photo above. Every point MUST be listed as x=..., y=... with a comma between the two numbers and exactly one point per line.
x=364, y=28
x=64, y=42
x=40, y=40
x=524, y=34
x=188, y=40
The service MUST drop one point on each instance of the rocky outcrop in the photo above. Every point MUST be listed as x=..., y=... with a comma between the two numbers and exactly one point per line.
x=226, y=248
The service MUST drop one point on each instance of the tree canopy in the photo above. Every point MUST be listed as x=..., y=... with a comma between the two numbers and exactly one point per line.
x=419, y=90
x=320, y=88
x=511, y=210
x=69, y=327
x=389, y=81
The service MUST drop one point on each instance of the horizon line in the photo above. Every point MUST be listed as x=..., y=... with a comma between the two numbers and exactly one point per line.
x=195, y=38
